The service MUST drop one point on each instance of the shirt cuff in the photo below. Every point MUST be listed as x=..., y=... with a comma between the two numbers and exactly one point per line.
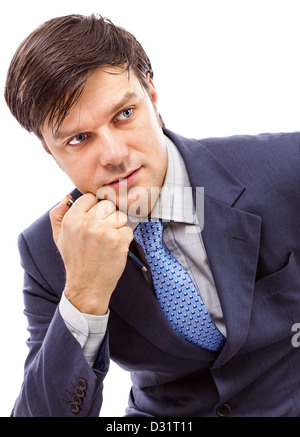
x=88, y=329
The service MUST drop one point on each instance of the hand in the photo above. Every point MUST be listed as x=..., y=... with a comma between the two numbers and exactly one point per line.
x=93, y=240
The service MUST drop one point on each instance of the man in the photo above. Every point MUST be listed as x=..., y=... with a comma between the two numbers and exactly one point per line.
x=225, y=345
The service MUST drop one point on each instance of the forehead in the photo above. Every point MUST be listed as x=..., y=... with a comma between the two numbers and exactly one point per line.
x=105, y=92
x=109, y=82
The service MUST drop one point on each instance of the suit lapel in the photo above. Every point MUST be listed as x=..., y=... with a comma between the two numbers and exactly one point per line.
x=231, y=238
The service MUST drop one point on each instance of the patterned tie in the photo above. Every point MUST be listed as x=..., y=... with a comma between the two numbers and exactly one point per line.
x=175, y=290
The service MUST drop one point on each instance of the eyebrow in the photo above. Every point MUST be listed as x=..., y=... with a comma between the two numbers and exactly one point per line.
x=60, y=134
x=128, y=96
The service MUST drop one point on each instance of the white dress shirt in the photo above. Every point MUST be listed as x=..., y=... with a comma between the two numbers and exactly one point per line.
x=182, y=237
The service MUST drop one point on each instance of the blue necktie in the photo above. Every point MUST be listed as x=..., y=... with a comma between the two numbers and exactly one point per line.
x=175, y=291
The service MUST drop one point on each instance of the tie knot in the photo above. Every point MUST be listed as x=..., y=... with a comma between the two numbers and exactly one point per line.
x=149, y=235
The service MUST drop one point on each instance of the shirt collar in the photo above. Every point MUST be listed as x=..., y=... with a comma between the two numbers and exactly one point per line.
x=175, y=201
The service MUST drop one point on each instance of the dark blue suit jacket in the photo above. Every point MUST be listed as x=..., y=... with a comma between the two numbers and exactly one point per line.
x=252, y=238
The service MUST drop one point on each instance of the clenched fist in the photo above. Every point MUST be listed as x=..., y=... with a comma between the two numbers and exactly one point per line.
x=93, y=240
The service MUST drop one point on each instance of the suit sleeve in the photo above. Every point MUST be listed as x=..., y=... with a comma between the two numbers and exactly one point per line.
x=58, y=381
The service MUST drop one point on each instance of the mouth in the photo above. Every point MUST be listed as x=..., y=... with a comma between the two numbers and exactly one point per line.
x=126, y=179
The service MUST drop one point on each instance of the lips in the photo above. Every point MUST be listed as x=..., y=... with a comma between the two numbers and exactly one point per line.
x=127, y=179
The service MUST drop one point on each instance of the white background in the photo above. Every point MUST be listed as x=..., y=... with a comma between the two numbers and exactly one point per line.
x=221, y=67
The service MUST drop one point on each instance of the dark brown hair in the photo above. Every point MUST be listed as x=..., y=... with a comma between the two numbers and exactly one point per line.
x=51, y=66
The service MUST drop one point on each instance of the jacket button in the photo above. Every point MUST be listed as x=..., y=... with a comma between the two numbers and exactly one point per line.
x=79, y=392
x=74, y=407
x=223, y=410
x=82, y=383
x=76, y=400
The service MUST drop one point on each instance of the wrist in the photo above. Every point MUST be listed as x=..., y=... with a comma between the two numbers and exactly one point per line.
x=87, y=302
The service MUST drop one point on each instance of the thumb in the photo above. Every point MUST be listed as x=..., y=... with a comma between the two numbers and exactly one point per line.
x=57, y=214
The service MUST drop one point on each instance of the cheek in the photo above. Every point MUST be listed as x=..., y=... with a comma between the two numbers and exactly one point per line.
x=80, y=170
x=148, y=139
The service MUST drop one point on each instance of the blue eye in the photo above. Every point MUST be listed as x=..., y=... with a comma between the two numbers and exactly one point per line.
x=78, y=139
x=123, y=115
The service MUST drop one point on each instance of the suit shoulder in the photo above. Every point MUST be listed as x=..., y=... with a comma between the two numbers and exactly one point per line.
x=255, y=145
x=256, y=155
x=261, y=143
x=39, y=229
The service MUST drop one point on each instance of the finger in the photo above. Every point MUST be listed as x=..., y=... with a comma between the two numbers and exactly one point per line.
x=104, y=209
x=57, y=214
x=118, y=219
x=84, y=203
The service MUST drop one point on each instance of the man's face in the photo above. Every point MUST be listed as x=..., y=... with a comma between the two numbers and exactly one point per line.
x=113, y=132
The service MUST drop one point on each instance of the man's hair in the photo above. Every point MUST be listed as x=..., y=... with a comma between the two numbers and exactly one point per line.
x=50, y=68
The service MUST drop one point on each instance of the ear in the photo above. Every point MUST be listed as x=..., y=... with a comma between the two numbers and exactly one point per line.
x=46, y=147
x=152, y=90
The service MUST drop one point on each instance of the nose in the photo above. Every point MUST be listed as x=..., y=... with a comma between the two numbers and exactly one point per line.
x=112, y=149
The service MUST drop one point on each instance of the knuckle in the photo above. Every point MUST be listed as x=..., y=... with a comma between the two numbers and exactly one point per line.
x=88, y=196
x=117, y=241
x=84, y=228
x=128, y=233
x=101, y=232
x=85, y=223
